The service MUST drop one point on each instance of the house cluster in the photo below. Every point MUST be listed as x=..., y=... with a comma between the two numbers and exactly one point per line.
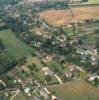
x=42, y=33
x=77, y=1
x=47, y=72
x=47, y=94
x=87, y=51
x=94, y=79
x=46, y=59
x=43, y=93
x=68, y=1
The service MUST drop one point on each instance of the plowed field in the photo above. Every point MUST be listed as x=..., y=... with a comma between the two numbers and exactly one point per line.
x=61, y=17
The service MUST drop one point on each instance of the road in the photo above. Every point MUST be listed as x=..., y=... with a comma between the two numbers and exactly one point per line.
x=35, y=87
x=59, y=79
x=17, y=91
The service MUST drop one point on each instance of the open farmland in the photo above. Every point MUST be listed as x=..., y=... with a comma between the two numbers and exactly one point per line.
x=57, y=17
x=61, y=17
x=93, y=1
x=77, y=90
x=14, y=46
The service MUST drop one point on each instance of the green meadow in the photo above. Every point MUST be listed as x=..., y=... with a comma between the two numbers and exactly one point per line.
x=14, y=46
x=76, y=90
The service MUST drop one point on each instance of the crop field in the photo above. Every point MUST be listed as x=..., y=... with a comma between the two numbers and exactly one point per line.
x=61, y=17
x=56, y=17
x=13, y=45
x=77, y=90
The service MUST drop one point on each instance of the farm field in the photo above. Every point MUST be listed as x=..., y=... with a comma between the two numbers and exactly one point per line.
x=77, y=90
x=93, y=0
x=61, y=17
x=14, y=46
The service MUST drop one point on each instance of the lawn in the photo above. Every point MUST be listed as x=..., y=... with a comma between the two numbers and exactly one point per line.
x=14, y=46
x=39, y=74
x=22, y=96
x=76, y=90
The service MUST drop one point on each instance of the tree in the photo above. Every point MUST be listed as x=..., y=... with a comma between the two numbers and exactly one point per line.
x=1, y=86
x=2, y=47
x=6, y=62
x=48, y=78
x=10, y=2
x=97, y=43
x=96, y=82
x=97, y=46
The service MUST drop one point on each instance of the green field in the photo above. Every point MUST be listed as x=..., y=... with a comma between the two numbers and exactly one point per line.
x=77, y=90
x=14, y=46
x=22, y=96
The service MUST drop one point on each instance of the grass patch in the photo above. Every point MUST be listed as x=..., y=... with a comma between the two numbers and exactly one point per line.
x=76, y=90
x=21, y=96
x=14, y=46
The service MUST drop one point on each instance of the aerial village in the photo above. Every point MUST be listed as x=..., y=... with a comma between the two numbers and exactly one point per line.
x=61, y=39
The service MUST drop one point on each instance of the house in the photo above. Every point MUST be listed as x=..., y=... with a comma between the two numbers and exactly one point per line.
x=46, y=59
x=80, y=51
x=54, y=97
x=37, y=44
x=83, y=58
x=72, y=68
x=47, y=71
x=44, y=94
x=61, y=38
x=92, y=78
x=27, y=91
x=93, y=60
x=68, y=75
